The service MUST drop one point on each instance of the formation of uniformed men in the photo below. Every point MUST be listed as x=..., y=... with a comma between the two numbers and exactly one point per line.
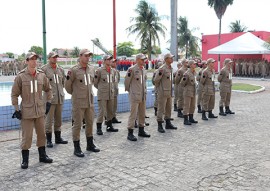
x=251, y=68
x=31, y=83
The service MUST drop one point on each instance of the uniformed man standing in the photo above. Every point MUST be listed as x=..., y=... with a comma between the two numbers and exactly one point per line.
x=163, y=82
x=225, y=79
x=175, y=87
x=116, y=90
x=199, y=90
x=178, y=78
x=30, y=84
x=208, y=83
x=135, y=85
x=189, y=92
x=157, y=65
x=79, y=84
x=56, y=76
x=104, y=77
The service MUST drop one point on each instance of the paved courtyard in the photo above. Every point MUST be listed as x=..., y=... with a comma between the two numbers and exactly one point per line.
x=228, y=153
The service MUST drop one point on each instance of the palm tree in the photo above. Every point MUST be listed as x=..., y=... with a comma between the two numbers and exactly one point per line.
x=147, y=26
x=186, y=41
x=237, y=27
x=220, y=7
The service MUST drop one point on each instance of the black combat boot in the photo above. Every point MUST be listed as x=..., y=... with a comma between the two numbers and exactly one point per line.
x=99, y=129
x=142, y=133
x=49, y=140
x=221, y=112
x=228, y=111
x=160, y=127
x=42, y=155
x=204, y=115
x=115, y=120
x=155, y=111
x=90, y=145
x=199, y=109
x=59, y=139
x=180, y=114
x=174, y=107
x=169, y=125
x=25, y=157
x=211, y=115
x=146, y=124
x=186, y=121
x=130, y=136
x=72, y=122
x=110, y=127
x=77, y=149
x=191, y=119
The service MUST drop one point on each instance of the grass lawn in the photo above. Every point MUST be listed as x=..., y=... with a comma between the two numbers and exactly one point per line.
x=245, y=87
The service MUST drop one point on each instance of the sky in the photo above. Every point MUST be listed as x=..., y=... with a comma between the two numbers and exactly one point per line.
x=71, y=23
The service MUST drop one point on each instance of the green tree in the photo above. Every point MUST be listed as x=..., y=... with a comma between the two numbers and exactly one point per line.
x=55, y=50
x=125, y=49
x=147, y=26
x=22, y=57
x=186, y=41
x=237, y=27
x=10, y=54
x=75, y=52
x=66, y=53
x=220, y=7
x=37, y=49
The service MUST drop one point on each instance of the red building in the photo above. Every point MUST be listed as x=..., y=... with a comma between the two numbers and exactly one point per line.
x=211, y=41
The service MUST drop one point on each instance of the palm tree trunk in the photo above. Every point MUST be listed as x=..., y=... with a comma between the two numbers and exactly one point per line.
x=219, y=34
x=174, y=46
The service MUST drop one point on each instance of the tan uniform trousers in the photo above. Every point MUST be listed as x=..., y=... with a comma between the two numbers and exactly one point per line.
x=156, y=100
x=78, y=115
x=199, y=98
x=115, y=102
x=225, y=99
x=54, y=117
x=175, y=94
x=105, y=109
x=164, y=107
x=137, y=111
x=27, y=132
x=208, y=102
x=180, y=100
x=189, y=105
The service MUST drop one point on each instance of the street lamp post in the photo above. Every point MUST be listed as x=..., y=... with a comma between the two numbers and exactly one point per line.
x=44, y=32
x=174, y=47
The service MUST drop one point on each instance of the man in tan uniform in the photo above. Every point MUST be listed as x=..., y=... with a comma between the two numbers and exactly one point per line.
x=225, y=79
x=208, y=83
x=189, y=85
x=104, y=77
x=199, y=90
x=116, y=90
x=79, y=84
x=56, y=76
x=163, y=81
x=135, y=85
x=155, y=89
x=178, y=78
x=30, y=84
x=175, y=87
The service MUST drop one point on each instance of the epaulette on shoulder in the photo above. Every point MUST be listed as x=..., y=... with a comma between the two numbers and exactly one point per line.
x=22, y=71
x=43, y=66
x=40, y=70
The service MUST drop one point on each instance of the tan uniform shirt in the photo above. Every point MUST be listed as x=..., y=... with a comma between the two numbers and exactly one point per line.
x=207, y=81
x=79, y=84
x=30, y=89
x=225, y=79
x=57, y=81
x=189, y=84
x=198, y=78
x=135, y=83
x=180, y=74
x=163, y=80
x=104, y=82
